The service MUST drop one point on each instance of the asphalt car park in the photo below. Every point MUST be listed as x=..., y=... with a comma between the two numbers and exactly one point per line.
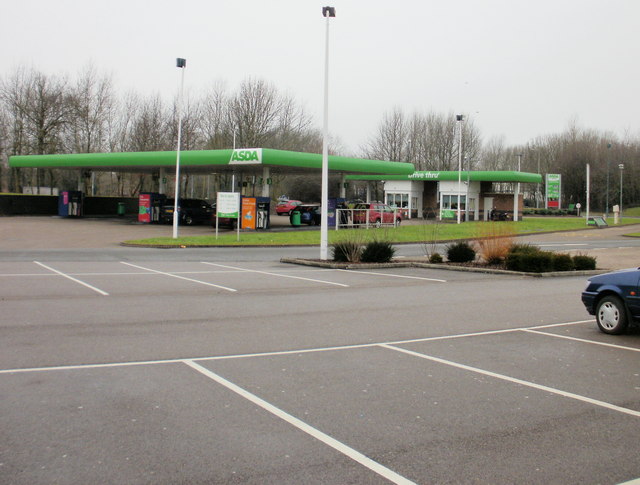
x=188, y=369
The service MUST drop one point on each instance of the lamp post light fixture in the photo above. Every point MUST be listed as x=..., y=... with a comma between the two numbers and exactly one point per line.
x=621, y=167
x=181, y=64
x=327, y=12
x=459, y=120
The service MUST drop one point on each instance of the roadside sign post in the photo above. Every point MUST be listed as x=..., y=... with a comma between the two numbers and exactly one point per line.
x=228, y=205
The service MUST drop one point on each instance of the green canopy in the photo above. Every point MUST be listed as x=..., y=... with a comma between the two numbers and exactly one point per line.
x=246, y=160
x=479, y=176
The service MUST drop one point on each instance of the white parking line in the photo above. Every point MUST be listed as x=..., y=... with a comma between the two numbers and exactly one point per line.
x=180, y=277
x=567, y=337
x=284, y=352
x=358, y=457
x=577, y=397
x=394, y=275
x=97, y=290
x=276, y=274
x=562, y=244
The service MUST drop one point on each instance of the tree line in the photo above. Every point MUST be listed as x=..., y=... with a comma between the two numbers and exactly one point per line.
x=48, y=114
x=432, y=142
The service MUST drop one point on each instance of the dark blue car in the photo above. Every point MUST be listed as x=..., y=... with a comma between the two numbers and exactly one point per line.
x=614, y=298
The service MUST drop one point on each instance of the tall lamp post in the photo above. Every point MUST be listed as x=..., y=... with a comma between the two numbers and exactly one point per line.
x=606, y=202
x=459, y=120
x=327, y=12
x=621, y=167
x=516, y=196
x=181, y=64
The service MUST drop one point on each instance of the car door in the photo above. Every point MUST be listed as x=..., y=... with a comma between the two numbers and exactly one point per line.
x=633, y=299
x=387, y=214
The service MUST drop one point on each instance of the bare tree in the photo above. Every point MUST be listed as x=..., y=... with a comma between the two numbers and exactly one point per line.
x=429, y=141
x=91, y=108
x=254, y=112
x=390, y=141
x=41, y=109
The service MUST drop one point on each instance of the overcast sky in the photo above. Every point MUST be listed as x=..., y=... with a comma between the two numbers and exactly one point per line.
x=519, y=68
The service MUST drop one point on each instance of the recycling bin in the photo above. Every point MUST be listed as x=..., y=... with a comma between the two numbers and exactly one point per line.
x=295, y=218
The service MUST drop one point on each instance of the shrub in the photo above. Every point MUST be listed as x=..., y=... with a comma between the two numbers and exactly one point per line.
x=347, y=252
x=523, y=249
x=435, y=258
x=377, y=252
x=460, y=252
x=494, y=241
x=582, y=262
x=563, y=262
x=535, y=262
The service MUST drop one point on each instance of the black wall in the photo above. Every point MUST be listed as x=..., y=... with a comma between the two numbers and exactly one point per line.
x=47, y=205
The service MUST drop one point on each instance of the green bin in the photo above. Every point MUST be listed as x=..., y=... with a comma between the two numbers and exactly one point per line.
x=295, y=218
x=121, y=209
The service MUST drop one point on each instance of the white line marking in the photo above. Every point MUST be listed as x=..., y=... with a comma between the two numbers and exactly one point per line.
x=279, y=352
x=394, y=275
x=90, y=366
x=594, y=342
x=562, y=244
x=304, y=427
x=97, y=290
x=631, y=482
x=276, y=274
x=514, y=380
x=179, y=277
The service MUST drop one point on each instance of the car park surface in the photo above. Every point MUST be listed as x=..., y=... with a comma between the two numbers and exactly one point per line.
x=221, y=365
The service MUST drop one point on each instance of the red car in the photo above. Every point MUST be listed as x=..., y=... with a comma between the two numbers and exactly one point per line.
x=286, y=207
x=378, y=214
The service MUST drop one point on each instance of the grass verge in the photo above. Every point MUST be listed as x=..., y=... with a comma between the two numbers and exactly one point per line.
x=404, y=234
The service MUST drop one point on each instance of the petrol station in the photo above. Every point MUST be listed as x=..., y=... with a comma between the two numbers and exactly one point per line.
x=419, y=194
x=259, y=164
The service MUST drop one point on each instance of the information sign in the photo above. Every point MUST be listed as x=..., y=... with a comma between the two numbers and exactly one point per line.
x=228, y=204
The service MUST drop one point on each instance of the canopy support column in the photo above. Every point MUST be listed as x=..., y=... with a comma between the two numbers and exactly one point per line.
x=265, y=182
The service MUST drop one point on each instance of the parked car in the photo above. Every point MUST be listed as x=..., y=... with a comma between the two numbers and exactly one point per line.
x=378, y=214
x=309, y=214
x=192, y=211
x=225, y=222
x=614, y=298
x=285, y=207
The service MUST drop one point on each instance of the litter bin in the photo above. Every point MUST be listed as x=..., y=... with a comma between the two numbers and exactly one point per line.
x=295, y=218
x=121, y=209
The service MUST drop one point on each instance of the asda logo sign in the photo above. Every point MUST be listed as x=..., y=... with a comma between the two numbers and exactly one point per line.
x=246, y=156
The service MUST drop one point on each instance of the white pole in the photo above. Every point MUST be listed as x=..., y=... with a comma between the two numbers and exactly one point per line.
x=233, y=174
x=588, y=192
x=516, y=195
x=459, y=164
x=324, y=203
x=182, y=65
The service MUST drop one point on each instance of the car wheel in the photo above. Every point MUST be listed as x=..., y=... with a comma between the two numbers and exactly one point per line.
x=378, y=223
x=611, y=315
x=188, y=220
